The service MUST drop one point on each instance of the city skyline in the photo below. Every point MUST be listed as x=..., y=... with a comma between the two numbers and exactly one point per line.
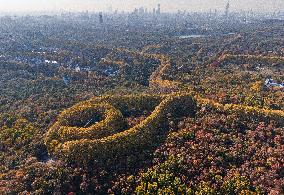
x=129, y=5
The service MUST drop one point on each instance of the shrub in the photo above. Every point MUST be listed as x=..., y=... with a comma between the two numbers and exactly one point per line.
x=106, y=138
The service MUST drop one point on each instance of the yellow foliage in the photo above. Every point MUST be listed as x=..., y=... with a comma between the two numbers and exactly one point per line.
x=107, y=137
x=70, y=139
x=257, y=86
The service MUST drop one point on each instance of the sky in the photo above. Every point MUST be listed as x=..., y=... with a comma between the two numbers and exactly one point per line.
x=127, y=5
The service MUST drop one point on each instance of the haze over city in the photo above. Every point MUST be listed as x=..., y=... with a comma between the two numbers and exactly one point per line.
x=129, y=5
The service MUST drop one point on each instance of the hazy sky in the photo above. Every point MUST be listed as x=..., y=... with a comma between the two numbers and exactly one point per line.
x=167, y=5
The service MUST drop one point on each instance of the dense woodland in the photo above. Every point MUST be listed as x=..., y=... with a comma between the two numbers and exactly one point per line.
x=136, y=109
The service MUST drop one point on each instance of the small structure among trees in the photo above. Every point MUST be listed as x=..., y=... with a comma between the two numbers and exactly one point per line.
x=270, y=83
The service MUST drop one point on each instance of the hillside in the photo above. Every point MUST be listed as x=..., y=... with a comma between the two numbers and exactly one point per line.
x=142, y=111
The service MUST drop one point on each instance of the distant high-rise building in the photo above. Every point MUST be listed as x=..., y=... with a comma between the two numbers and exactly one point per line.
x=227, y=9
x=109, y=9
x=136, y=11
x=101, y=18
x=215, y=12
x=141, y=11
x=159, y=9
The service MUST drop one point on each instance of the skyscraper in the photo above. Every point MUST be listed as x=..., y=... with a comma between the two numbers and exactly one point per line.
x=227, y=9
x=159, y=9
x=101, y=18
